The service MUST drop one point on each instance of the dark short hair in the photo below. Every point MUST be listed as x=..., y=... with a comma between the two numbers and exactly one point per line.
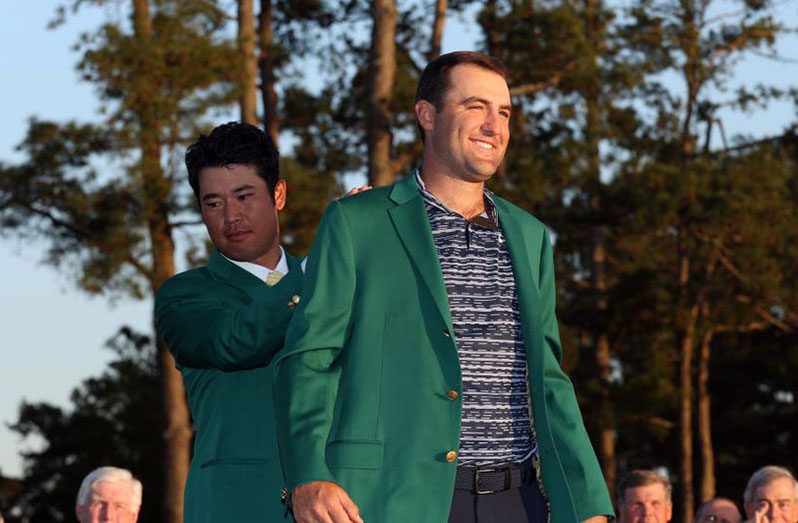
x=230, y=144
x=434, y=81
x=643, y=478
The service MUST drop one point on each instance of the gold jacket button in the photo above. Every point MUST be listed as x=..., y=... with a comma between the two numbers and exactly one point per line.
x=294, y=301
x=446, y=334
x=451, y=456
x=452, y=394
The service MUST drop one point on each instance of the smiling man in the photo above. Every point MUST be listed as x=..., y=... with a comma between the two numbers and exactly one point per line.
x=421, y=377
x=225, y=321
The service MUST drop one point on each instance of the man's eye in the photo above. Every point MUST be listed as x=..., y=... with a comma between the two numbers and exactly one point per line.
x=212, y=205
x=244, y=196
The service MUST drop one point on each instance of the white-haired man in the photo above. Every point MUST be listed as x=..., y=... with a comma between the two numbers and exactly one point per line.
x=771, y=496
x=108, y=494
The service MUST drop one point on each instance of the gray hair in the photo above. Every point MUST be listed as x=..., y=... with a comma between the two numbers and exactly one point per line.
x=765, y=475
x=110, y=475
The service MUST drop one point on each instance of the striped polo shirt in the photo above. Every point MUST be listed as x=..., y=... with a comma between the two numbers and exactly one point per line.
x=496, y=423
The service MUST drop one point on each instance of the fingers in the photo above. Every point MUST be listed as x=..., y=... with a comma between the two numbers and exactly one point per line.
x=360, y=189
x=352, y=512
x=323, y=502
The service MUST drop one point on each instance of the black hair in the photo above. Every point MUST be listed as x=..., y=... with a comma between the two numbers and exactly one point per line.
x=234, y=143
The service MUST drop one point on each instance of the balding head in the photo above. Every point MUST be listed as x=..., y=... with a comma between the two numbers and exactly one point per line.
x=718, y=510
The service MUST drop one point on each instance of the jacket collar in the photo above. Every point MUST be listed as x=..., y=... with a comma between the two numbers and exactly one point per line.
x=230, y=273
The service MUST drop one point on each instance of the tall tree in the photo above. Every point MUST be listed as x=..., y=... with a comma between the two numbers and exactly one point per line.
x=249, y=70
x=382, y=72
x=438, y=24
x=157, y=81
x=267, y=65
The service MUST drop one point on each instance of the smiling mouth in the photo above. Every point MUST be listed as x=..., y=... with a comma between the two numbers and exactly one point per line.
x=484, y=145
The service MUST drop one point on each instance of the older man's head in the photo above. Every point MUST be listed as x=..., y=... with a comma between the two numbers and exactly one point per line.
x=773, y=492
x=644, y=496
x=108, y=494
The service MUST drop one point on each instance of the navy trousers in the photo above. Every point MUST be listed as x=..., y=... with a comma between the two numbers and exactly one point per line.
x=524, y=504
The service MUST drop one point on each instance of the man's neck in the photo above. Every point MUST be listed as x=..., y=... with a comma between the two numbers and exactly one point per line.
x=465, y=198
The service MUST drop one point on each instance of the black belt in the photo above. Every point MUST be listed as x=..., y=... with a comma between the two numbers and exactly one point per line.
x=492, y=479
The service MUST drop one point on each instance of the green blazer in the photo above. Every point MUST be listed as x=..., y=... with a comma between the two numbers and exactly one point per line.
x=224, y=326
x=361, y=386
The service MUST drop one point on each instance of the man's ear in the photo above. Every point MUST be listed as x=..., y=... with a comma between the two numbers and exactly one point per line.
x=280, y=192
x=425, y=114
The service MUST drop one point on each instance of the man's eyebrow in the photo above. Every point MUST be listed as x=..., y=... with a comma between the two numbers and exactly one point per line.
x=478, y=99
x=237, y=190
x=245, y=187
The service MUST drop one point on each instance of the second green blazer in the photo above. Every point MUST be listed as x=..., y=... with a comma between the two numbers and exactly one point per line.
x=224, y=326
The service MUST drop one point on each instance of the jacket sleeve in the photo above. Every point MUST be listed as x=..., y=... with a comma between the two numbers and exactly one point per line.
x=308, y=371
x=205, y=332
x=582, y=475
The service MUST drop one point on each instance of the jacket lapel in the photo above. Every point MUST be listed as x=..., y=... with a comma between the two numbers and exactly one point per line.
x=526, y=279
x=225, y=271
x=412, y=225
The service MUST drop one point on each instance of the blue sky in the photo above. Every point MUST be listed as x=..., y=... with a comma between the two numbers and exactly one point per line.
x=53, y=334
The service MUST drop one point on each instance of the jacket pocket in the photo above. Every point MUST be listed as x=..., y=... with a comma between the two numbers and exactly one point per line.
x=233, y=461
x=355, y=454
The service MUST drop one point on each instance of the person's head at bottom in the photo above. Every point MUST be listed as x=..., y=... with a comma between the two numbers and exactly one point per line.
x=644, y=496
x=108, y=494
x=718, y=510
x=771, y=495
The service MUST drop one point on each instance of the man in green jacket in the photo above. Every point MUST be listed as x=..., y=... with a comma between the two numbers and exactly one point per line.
x=225, y=321
x=421, y=377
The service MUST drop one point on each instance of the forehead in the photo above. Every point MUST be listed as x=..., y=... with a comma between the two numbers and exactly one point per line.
x=228, y=177
x=653, y=492
x=722, y=508
x=111, y=490
x=467, y=80
x=781, y=488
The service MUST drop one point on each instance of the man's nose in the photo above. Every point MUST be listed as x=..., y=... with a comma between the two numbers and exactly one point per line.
x=231, y=213
x=492, y=123
x=109, y=512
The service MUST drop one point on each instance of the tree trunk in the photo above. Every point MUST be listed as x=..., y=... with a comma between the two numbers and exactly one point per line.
x=249, y=70
x=437, y=29
x=266, y=64
x=382, y=71
x=705, y=420
x=686, y=393
x=156, y=188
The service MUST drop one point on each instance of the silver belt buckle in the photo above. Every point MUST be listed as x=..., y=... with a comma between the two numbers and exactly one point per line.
x=476, y=481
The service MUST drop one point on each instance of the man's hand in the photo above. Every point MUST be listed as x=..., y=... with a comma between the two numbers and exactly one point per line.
x=597, y=519
x=355, y=190
x=323, y=502
x=760, y=514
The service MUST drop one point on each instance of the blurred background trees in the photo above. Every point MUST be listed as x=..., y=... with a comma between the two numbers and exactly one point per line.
x=676, y=243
